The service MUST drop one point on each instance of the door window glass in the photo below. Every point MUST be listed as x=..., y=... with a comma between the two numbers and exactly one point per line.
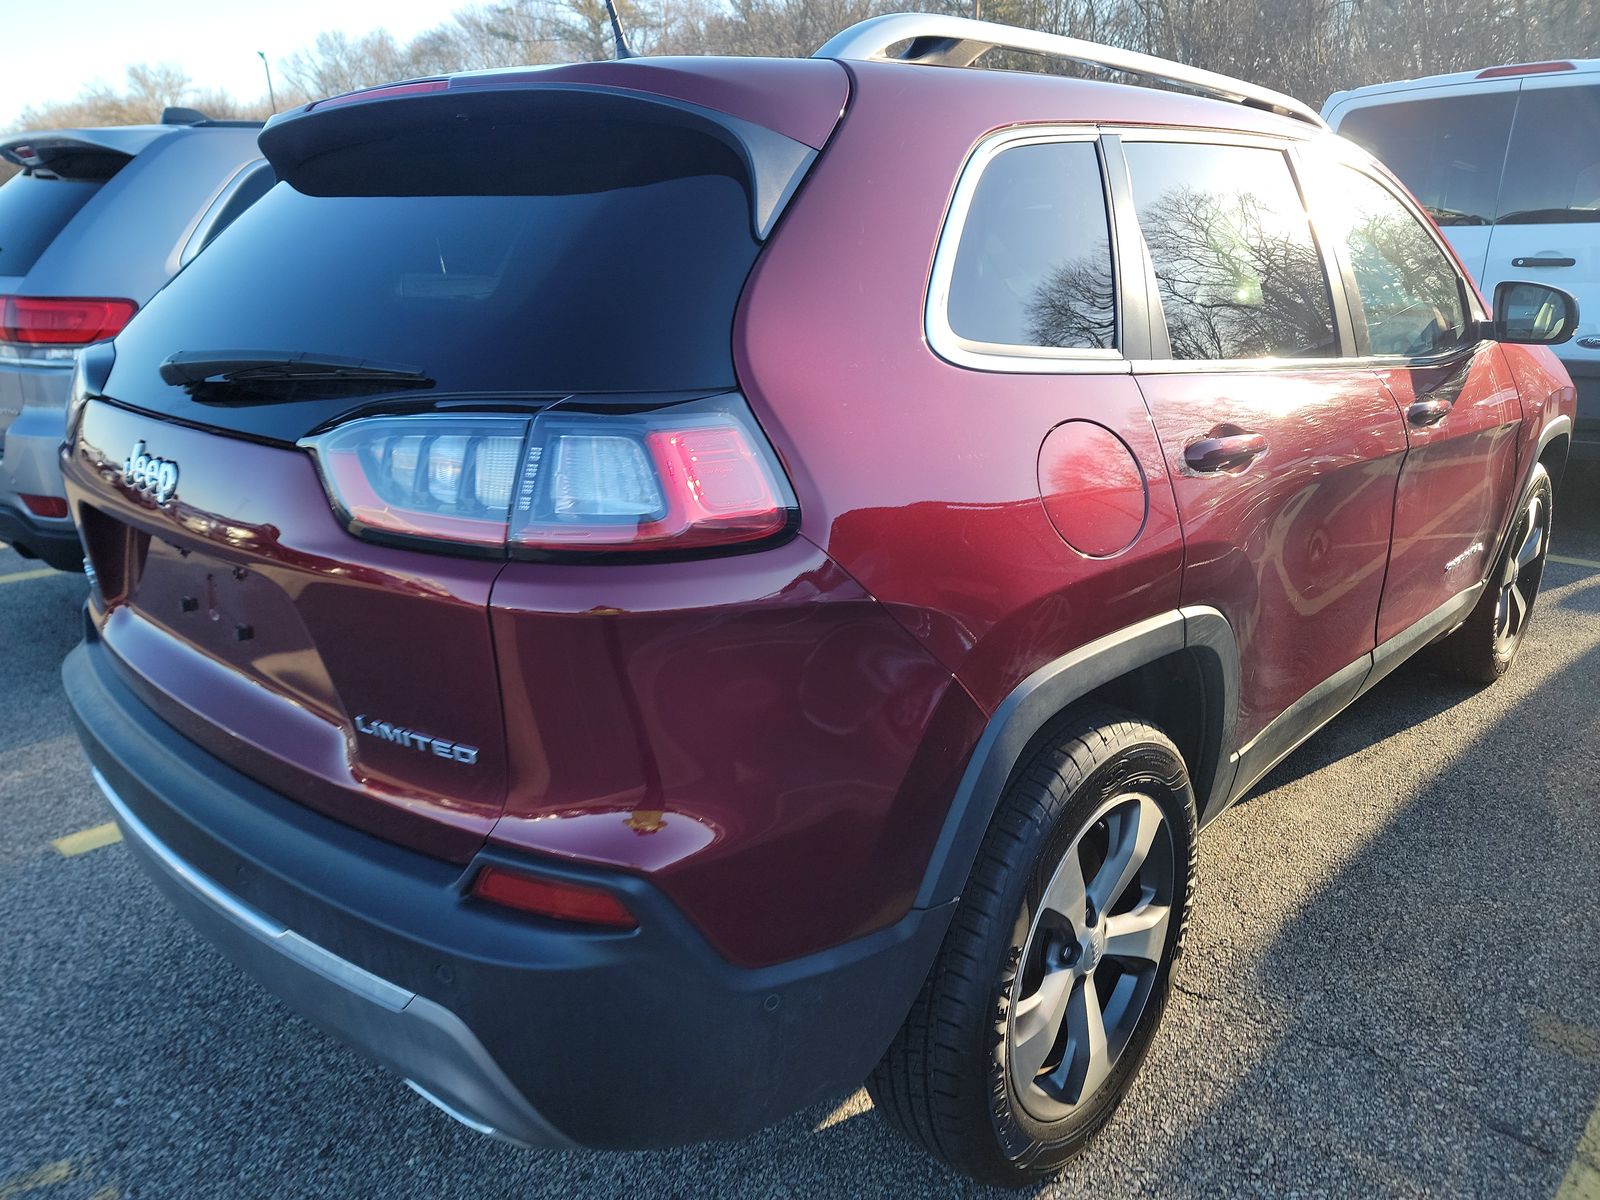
x=1553, y=169
x=1033, y=267
x=1410, y=293
x=1238, y=271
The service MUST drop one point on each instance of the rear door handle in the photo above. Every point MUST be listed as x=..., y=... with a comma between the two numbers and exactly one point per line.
x=1428, y=412
x=1228, y=452
x=1545, y=260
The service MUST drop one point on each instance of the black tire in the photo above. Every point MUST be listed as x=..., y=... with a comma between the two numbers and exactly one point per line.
x=947, y=1082
x=1486, y=644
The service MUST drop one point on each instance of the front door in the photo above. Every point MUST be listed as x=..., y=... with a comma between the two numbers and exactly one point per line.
x=1414, y=315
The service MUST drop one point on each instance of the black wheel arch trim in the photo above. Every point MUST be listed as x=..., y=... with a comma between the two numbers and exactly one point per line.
x=1556, y=427
x=1203, y=632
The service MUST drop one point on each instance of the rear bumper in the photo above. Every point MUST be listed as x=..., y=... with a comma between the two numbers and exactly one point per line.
x=424, y=1040
x=546, y=1034
x=54, y=541
x=33, y=403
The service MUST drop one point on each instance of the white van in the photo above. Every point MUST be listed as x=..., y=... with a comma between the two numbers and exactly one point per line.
x=1508, y=162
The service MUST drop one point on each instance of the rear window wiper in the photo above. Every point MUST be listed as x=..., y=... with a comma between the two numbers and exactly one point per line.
x=191, y=367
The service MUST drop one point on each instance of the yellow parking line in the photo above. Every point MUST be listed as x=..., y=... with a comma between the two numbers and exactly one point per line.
x=86, y=840
x=42, y=1177
x=1583, y=1176
x=1560, y=558
x=24, y=576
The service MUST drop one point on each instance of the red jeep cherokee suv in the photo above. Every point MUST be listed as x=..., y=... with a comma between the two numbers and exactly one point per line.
x=734, y=576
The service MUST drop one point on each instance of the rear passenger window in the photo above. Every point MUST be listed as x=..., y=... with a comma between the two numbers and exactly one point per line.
x=1238, y=271
x=1553, y=169
x=1033, y=267
x=1409, y=292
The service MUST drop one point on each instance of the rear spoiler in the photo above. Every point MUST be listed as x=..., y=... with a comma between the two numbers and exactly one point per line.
x=79, y=153
x=53, y=151
x=394, y=140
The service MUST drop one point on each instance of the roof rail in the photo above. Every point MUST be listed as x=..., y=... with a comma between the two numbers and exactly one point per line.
x=942, y=41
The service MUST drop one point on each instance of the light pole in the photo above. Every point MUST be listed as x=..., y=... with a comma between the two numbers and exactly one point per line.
x=272, y=99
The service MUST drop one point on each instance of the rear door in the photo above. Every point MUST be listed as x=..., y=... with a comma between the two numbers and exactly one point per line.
x=1283, y=452
x=1416, y=316
x=1548, y=225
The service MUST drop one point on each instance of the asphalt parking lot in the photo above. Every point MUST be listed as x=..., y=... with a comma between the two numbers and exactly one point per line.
x=1393, y=983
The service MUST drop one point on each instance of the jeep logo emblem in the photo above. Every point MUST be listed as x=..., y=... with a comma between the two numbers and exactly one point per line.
x=155, y=477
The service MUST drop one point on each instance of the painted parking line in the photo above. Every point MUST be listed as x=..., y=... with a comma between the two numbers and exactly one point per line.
x=32, y=1181
x=24, y=576
x=1583, y=1176
x=86, y=840
x=1575, y=562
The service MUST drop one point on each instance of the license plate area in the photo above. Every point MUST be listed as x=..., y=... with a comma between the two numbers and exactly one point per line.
x=116, y=553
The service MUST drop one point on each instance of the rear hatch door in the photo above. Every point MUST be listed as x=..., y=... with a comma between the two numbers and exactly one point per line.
x=60, y=172
x=495, y=251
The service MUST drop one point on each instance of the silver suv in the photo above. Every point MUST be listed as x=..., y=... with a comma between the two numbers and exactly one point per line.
x=94, y=225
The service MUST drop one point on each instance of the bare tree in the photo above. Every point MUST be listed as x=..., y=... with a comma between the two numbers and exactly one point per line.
x=1308, y=48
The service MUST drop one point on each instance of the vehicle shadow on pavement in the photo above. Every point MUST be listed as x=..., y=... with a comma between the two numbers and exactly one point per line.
x=1425, y=1018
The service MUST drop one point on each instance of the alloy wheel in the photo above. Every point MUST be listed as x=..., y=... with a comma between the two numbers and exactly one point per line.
x=1089, y=963
x=1519, y=578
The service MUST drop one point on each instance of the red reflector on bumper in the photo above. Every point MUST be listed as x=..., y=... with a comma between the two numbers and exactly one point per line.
x=554, y=898
x=45, y=506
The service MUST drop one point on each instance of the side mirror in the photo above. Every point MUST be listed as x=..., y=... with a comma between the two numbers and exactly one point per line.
x=1533, y=314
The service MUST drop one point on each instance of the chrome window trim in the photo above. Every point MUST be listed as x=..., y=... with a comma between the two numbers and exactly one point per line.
x=1205, y=366
x=1003, y=357
x=1249, y=139
x=1187, y=366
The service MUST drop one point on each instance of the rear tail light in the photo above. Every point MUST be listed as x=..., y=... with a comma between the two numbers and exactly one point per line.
x=61, y=321
x=558, y=899
x=682, y=478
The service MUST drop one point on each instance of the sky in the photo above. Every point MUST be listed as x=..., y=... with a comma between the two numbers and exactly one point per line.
x=55, y=47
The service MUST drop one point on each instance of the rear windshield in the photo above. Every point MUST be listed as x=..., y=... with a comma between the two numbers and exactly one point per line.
x=33, y=209
x=620, y=282
x=1448, y=151
x=1515, y=157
